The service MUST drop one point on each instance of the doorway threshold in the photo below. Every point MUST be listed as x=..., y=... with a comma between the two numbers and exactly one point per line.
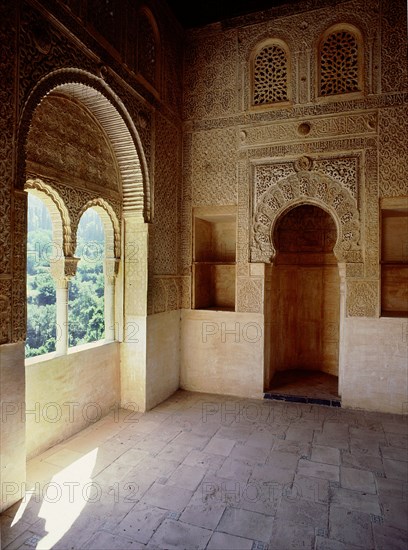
x=302, y=399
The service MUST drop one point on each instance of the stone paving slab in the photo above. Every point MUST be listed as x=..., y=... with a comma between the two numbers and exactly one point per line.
x=244, y=523
x=205, y=471
x=174, y=535
x=350, y=527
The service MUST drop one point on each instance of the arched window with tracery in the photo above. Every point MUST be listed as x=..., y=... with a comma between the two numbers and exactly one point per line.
x=340, y=61
x=270, y=74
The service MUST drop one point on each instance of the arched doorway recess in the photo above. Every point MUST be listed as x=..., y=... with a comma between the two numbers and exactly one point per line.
x=305, y=304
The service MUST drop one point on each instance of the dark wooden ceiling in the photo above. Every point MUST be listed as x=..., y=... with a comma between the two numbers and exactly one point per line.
x=197, y=13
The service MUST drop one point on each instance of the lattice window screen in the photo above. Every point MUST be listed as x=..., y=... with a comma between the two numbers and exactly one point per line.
x=270, y=74
x=339, y=70
x=147, y=50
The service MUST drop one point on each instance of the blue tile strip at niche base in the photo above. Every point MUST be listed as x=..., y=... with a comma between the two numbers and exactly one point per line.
x=300, y=399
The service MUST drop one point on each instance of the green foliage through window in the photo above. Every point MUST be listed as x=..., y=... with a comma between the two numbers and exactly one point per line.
x=86, y=289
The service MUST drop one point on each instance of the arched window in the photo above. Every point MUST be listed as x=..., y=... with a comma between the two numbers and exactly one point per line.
x=340, y=61
x=270, y=74
x=86, y=309
x=41, y=291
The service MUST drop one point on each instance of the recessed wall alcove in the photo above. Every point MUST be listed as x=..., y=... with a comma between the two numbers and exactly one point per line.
x=305, y=304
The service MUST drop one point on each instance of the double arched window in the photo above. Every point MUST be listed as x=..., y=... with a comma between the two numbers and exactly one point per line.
x=70, y=299
x=339, y=58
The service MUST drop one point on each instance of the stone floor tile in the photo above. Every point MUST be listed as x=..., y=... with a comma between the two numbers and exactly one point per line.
x=205, y=508
x=26, y=541
x=200, y=458
x=300, y=434
x=206, y=429
x=365, y=446
x=178, y=535
x=219, y=446
x=391, y=489
x=191, y=440
x=356, y=501
x=271, y=474
x=151, y=444
x=155, y=466
x=236, y=470
x=395, y=453
x=331, y=440
x=350, y=527
x=107, y=541
x=397, y=440
x=396, y=469
x=396, y=513
x=283, y=460
x=141, y=522
x=169, y=497
x=362, y=462
x=246, y=524
x=187, y=477
x=247, y=452
x=395, y=426
x=376, y=434
x=323, y=543
x=311, y=488
x=302, y=450
x=85, y=527
x=10, y=532
x=173, y=452
x=239, y=433
x=327, y=455
x=357, y=480
x=282, y=496
x=262, y=438
x=40, y=471
x=223, y=490
x=318, y=469
x=303, y=512
x=223, y=541
x=288, y=535
x=131, y=457
x=338, y=427
x=389, y=538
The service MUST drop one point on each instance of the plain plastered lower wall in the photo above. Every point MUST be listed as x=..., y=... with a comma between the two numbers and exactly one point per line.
x=163, y=357
x=67, y=393
x=12, y=438
x=222, y=352
x=375, y=371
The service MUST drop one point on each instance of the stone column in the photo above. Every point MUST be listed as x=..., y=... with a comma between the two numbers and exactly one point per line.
x=110, y=270
x=62, y=270
x=62, y=287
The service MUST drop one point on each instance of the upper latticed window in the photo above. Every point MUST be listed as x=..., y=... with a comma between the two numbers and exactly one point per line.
x=270, y=75
x=148, y=47
x=340, y=65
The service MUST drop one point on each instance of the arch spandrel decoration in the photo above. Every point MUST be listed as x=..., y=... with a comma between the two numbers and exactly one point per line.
x=306, y=187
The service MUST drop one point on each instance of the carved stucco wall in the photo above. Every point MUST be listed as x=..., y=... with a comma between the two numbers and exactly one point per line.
x=233, y=155
x=65, y=138
x=44, y=47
